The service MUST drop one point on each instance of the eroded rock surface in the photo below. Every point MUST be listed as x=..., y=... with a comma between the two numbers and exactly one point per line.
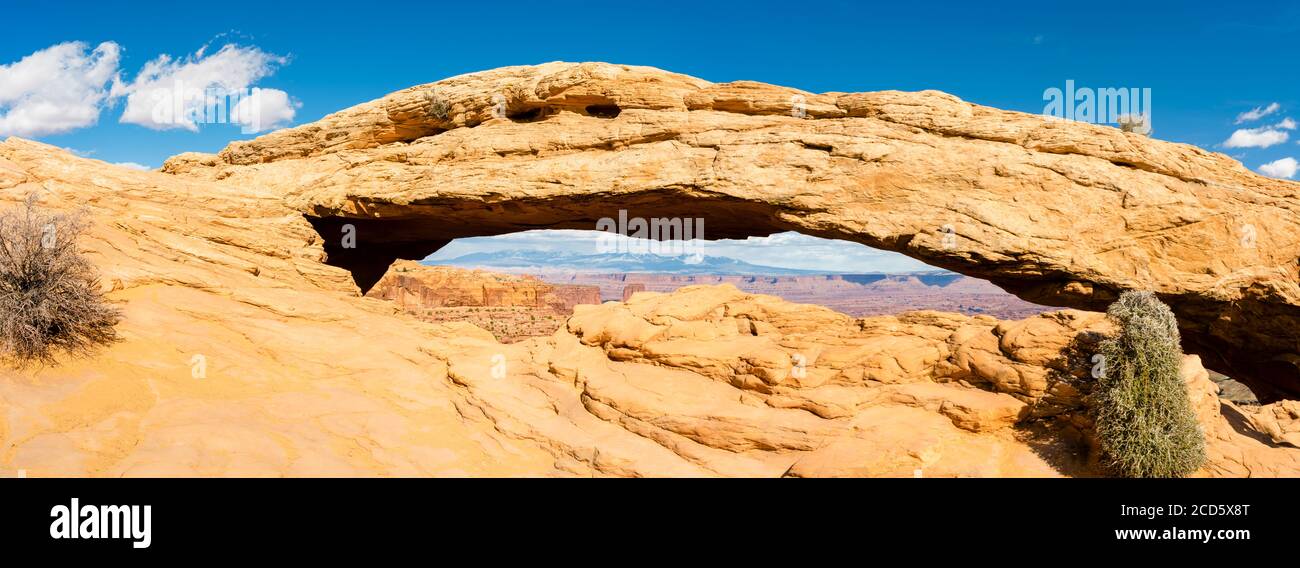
x=727, y=383
x=1057, y=212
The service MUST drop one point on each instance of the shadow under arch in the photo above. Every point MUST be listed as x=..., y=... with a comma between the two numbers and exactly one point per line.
x=386, y=231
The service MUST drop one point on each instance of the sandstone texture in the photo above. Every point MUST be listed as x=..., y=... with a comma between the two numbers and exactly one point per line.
x=1280, y=421
x=249, y=348
x=1058, y=212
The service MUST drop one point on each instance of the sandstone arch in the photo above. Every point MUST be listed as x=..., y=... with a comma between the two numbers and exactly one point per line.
x=1056, y=212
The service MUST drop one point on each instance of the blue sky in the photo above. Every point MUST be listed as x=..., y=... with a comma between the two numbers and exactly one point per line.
x=1206, y=63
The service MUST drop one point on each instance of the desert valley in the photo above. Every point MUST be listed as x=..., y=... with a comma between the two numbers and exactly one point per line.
x=852, y=294
x=537, y=302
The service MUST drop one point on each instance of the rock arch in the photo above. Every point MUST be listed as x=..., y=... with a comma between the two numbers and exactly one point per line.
x=1058, y=213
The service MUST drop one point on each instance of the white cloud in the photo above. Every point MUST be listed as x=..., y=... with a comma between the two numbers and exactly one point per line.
x=1284, y=168
x=1258, y=113
x=1286, y=123
x=65, y=87
x=57, y=89
x=264, y=109
x=1256, y=138
x=133, y=166
x=175, y=93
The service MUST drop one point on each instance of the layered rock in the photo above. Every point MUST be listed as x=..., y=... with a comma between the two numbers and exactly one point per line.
x=709, y=380
x=413, y=285
x=510, y=307
x=1059, y=213
x=1280, y=421
x=630, y=289
x=569, y=296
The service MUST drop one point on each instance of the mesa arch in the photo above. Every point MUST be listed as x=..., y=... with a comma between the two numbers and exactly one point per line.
x=1058, y=213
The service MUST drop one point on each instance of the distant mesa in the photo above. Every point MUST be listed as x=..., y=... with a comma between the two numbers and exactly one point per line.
x=511, y=307
x=620, y=275
x=631, y=289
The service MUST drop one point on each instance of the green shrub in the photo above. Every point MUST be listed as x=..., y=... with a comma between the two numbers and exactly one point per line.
x=1145, y=422
x=49, y=294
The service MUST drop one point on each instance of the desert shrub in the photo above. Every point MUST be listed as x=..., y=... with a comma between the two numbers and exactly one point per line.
x=439, y=108
x=49, y=293
x=1145, y=423
x=1135, y=123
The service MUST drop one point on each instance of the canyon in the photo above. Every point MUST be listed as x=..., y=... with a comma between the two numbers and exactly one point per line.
x=414, y=285
x=510, y=307
x=852, y=294
x=237, y=257
x=527, y=305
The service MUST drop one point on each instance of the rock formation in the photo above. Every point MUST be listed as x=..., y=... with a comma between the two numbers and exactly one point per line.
x=712, y=381
x=631, y=289
x=510, y=307
x=414, y=285
x=248, y=348
x=1280, y=421
x=1059, y=213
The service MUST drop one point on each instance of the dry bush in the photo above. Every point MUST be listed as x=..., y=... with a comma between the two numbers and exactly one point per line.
x=50, y=302
x=439, y=108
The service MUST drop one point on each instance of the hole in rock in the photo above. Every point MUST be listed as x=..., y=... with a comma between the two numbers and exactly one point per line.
x=520, y=284
x=603, y=111
x=366, y=243
x=528, y=115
